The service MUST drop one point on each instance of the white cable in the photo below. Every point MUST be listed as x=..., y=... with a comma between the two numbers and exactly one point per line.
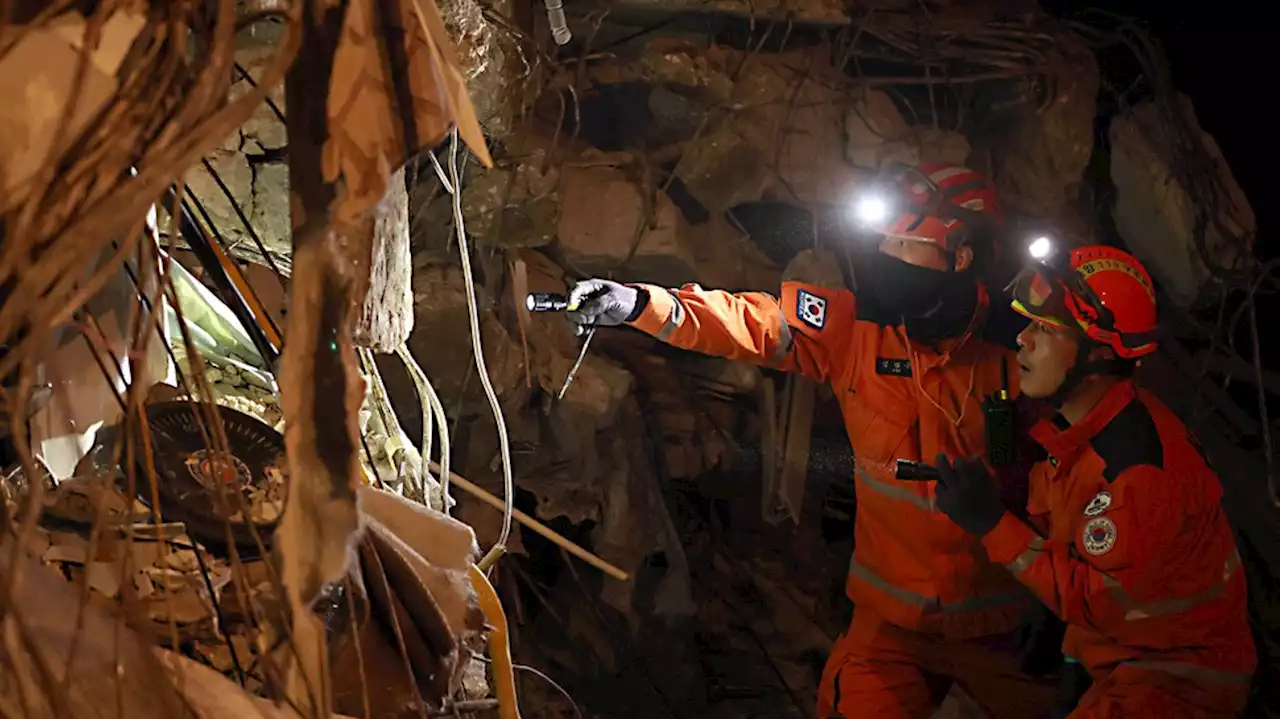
x=428, y=428
x=508, y=484
x=432, y=408
x=437, y=410
x=448, y=186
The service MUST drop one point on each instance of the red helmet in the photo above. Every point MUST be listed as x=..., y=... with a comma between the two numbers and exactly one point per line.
x=947, y=205
x=1104, y=291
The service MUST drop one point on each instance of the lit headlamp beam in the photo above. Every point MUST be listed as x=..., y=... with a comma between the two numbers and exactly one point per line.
x=871, y=210
x=1040, y=248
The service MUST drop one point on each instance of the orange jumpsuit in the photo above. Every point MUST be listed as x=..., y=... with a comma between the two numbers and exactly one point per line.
x=1135, y=554
x=928, y=600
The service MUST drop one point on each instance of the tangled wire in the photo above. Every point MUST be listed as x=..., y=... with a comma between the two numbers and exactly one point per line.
x=81, y=212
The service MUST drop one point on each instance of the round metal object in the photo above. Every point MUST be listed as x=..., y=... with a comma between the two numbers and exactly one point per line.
x=210, y=490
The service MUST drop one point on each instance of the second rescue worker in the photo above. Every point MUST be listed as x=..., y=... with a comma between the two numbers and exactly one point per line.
x=908, y=364
x=1127, y=540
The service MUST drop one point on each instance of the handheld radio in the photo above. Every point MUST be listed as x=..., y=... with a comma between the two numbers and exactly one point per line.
x=1000, y=421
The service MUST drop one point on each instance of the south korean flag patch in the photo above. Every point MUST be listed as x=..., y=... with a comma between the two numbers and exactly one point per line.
x=811, y=309
x=1099, y=536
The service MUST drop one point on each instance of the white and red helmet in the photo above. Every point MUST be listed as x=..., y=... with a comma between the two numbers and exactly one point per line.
x=945, y=205
x=1102, y=291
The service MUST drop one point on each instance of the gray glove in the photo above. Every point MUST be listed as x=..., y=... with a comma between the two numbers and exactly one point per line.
x=604, y=303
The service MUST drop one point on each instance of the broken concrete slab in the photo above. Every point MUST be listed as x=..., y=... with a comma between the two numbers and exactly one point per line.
x=1155, y=212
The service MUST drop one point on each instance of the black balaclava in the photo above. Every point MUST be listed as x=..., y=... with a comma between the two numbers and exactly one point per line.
x=932, y=304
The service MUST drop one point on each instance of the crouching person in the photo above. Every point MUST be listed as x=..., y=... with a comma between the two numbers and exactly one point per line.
x=1130, y=545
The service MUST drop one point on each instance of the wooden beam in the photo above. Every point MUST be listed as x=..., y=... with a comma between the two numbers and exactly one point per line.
x=320, y=384
x=558, y=539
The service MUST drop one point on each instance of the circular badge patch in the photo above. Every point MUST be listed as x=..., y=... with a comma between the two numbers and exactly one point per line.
x=1098, y=504
x=1099, y=536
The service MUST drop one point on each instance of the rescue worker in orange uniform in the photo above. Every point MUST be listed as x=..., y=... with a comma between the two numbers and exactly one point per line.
x=907, y=362
x=1128, y=542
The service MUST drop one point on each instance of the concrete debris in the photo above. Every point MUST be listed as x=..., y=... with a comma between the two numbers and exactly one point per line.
x=513, y=206
x=490, y=59
x=876, y=134
x=1156, y=213
x=818, y=267
x=440, y=304
x=250, y=163
x=232, y=387
x=607, y=221
x=767, y=133
x=725, y=256
x=598, y=389
x=1039, y=153
x=724, y=377
x=386, y=314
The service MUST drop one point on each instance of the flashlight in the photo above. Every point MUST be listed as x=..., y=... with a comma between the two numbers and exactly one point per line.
x=1040, y=248
x=546, y=302
x=909, y=471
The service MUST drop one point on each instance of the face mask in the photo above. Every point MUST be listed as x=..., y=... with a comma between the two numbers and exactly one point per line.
x=900, y=289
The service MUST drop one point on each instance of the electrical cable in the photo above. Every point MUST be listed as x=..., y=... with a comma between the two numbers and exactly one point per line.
x=508, y=483
x=448, y=186
x=442, y=424
x=432, y=414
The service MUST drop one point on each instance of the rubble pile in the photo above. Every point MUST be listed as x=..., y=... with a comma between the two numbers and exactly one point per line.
x=173, y=591
x=635, y=161
x=224, y=609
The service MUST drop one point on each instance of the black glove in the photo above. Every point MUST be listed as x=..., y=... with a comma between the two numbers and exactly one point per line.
x=1074, y=685
x=604, y=303
x=1039, y=637
x=968, y=495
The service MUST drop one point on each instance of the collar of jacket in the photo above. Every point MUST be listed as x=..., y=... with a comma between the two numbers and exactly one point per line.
x=1062, y=441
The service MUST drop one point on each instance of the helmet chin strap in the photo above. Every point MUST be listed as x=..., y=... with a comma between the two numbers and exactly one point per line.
x=1081, y=369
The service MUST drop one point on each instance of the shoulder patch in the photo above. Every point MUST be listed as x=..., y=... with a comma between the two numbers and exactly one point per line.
x=811, y=309
x=1099, y=536
x=1129, y=440
x=1099, y=504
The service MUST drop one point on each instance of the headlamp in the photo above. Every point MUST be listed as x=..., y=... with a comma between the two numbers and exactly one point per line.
x=1041, y=249
x=871, y=210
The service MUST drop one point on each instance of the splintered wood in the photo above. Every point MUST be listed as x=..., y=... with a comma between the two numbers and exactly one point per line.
x=353, y=118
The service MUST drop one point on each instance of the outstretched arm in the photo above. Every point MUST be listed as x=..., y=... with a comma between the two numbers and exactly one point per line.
x=801, y=332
